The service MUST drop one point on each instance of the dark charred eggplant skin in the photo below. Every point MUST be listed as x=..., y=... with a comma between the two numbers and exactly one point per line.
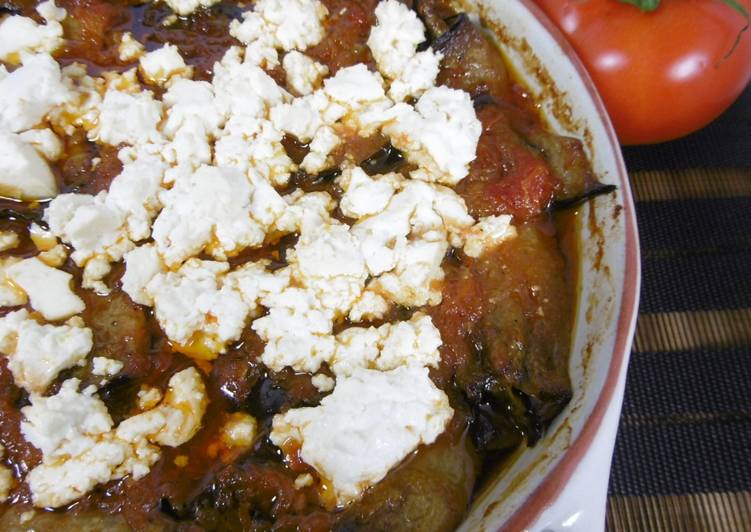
x=569, y=203
x=387, y=159
x=471, y=61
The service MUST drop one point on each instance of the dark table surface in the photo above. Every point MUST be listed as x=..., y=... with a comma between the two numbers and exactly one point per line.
x=683, y=454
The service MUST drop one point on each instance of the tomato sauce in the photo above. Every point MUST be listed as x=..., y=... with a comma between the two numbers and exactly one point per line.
x=505, y=318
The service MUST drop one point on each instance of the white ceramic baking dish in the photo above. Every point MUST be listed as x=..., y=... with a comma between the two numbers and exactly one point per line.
x=560, y=483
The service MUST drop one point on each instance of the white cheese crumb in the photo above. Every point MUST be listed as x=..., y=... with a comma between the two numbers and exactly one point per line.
x=439, y=134
x=37, y=353
x=283, y=24
x=127, y=118
x=404, y=244
x=19, y=35
x=360, y=92
x=239, y=430
x=8, y=240
x=303, y=481
x=141, y=265
x=254, y=145
x=163, y=64
x=407, y=343
x=80, y=448
x=54, y=257
x=43, y=239
x=48, y=288
x=106, y=367
x=393, y=42
x=89, y=224
x=129, y=48
x=365, y=195
x=327, y=261
x=323, y=382
x=209, y=210
x=187, y=7
x=369, y=306
x=135, y=191
x=10, y=294
x=24, y=174
x=30, y=92
x=50, y=12
x=242, y=88
x=45, y=142
x=371, y=421
x=197, y=303
x=296, y=330
x=177, y=418
x=148, y=397
x=487, y=234
x=304, y=75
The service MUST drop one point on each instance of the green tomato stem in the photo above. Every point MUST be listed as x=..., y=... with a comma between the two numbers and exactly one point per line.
x=651, y=5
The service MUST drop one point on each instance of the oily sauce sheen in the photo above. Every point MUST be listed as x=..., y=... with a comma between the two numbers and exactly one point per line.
x=505, y=318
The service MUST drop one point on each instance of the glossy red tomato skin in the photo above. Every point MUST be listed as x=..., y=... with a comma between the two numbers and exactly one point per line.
x=662, y=74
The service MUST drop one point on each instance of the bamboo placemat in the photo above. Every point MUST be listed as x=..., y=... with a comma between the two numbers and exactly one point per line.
x=682, y=460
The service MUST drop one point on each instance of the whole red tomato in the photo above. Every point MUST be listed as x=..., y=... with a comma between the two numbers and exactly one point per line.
x=662, y=74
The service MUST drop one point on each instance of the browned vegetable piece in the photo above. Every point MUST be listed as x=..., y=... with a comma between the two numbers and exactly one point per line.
x=471, y=62
x=88, y=30
x=120, y=331
x=565, y=155
x=248, y=497
x=429, y=492
x=507, y=176
x=527, y=330
x=11, y=521
x=347, y=29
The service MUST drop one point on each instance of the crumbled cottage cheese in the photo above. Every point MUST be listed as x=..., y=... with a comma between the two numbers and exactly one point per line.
x=129, y=48
x=209, y=210
x=48, y=289
x=24, y=174
x=202, y=307
x=487, y=233
x=97, y=232
x=195, y=300
x=19, y=35
x=163, y=64
x=407, y=343
x=45, y=142
x=371, y=421
x=10, y=294
x=393, y=42
x=81, y=448
x=279, y=24
x=240, y=430
x=242, y=88
x=187, y=7
x=404, y=244
x=304, y=75
x=353, y=98
x=37, y=353
x=200, y=163
x=127, y=118
x=30, y=92
x=439, y=134
x=8, y=240
x=106, y=367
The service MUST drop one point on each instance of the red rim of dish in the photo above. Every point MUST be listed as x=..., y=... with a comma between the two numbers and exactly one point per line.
x=554, y=482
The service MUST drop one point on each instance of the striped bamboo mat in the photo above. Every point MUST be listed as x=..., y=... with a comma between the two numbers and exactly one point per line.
x=682, y=460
